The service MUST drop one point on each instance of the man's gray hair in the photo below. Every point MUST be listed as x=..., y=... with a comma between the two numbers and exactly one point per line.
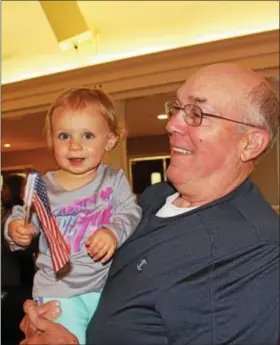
x=263, y=109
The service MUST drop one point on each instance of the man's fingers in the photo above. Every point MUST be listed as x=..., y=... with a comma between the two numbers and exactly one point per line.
x=27, y=328
x=25, y=323
x=53, y=312
x=43, y=324
x=35, y=340
x=28, y=304
x=50, y=310
x=29, y=325
x=32, y=314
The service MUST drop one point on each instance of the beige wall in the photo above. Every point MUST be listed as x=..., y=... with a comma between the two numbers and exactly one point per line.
x=39, y=159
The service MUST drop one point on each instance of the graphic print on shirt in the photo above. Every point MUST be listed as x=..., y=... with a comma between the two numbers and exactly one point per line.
x=78, y=220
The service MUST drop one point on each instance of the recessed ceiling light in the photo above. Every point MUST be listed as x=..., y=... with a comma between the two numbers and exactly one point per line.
x=162, y=117
x=7, y=145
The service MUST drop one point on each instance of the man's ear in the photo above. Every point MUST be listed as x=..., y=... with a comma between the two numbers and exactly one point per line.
x=256, y=141
x=111, y=142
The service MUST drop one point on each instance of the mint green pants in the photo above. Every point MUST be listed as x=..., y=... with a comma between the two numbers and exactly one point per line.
x=77, y=311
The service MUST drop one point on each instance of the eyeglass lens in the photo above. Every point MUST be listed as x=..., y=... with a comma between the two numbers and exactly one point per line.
x=192, y=114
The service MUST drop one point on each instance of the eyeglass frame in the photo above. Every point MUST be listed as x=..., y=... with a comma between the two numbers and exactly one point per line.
x=203, y=114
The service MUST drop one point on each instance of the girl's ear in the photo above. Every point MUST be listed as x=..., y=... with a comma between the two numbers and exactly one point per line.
x=257, y=141
x=111, y=142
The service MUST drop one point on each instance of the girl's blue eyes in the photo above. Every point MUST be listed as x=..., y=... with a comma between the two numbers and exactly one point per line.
x=86, y=135
x=63, y=136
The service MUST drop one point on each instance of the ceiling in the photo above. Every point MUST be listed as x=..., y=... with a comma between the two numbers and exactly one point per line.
x=119, y=29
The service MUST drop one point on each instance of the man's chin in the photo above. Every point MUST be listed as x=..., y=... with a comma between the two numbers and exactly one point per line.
x=178, y=174
x=174, y=174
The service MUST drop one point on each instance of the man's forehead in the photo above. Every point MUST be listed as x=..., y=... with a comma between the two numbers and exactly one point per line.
x=203, y=87
x=193, y=91
x=224, y=75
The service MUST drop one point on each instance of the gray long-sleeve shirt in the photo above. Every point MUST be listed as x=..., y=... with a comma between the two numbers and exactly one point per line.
x=105, y=201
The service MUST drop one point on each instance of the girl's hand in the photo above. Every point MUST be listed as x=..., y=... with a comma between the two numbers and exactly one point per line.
x=101, y=245
x=20, y=234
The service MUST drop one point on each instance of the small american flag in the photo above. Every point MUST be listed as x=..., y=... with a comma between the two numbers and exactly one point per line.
x=58, y=247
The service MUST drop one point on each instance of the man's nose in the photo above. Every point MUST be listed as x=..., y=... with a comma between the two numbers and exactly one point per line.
x=176, y=123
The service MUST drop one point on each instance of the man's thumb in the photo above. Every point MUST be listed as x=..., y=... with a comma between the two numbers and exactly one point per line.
x=40, y=322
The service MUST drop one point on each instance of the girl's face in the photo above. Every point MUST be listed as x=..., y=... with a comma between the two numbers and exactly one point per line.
x=80, y=138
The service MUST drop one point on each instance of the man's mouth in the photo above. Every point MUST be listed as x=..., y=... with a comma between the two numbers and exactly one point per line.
x=182, y=151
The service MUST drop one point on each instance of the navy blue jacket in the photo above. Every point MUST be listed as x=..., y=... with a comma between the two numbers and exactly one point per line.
x=206, y=277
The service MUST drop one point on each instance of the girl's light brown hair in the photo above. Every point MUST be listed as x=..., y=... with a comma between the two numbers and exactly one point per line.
x=81, y=98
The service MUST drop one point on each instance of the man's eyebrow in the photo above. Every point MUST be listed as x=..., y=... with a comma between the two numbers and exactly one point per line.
x=192, y=99
x=197, y=99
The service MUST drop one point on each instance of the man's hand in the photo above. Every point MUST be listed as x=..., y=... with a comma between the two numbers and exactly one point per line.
x=102, y=244
x=20, y=234
x=50, y=333
x=50, y=310
x=39, y=330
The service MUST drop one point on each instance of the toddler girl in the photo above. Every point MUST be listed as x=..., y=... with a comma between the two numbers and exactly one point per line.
x=92, y=203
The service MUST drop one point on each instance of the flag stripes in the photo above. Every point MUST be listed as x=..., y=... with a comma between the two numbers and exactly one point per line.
x=59, y=250
x=58, y=247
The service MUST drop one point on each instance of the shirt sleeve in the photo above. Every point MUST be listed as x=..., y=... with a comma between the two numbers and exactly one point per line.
x=18, y=212
x=126, y=212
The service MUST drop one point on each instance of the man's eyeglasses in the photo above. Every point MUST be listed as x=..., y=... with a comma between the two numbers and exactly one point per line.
x=193, y=114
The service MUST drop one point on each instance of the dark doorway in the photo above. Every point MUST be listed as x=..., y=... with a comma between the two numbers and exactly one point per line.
x=146, y=171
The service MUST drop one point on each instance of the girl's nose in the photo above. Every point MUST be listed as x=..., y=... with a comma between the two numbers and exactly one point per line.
x=75, y=145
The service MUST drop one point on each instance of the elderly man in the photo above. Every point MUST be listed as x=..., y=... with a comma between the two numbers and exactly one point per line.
x=203, y=266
